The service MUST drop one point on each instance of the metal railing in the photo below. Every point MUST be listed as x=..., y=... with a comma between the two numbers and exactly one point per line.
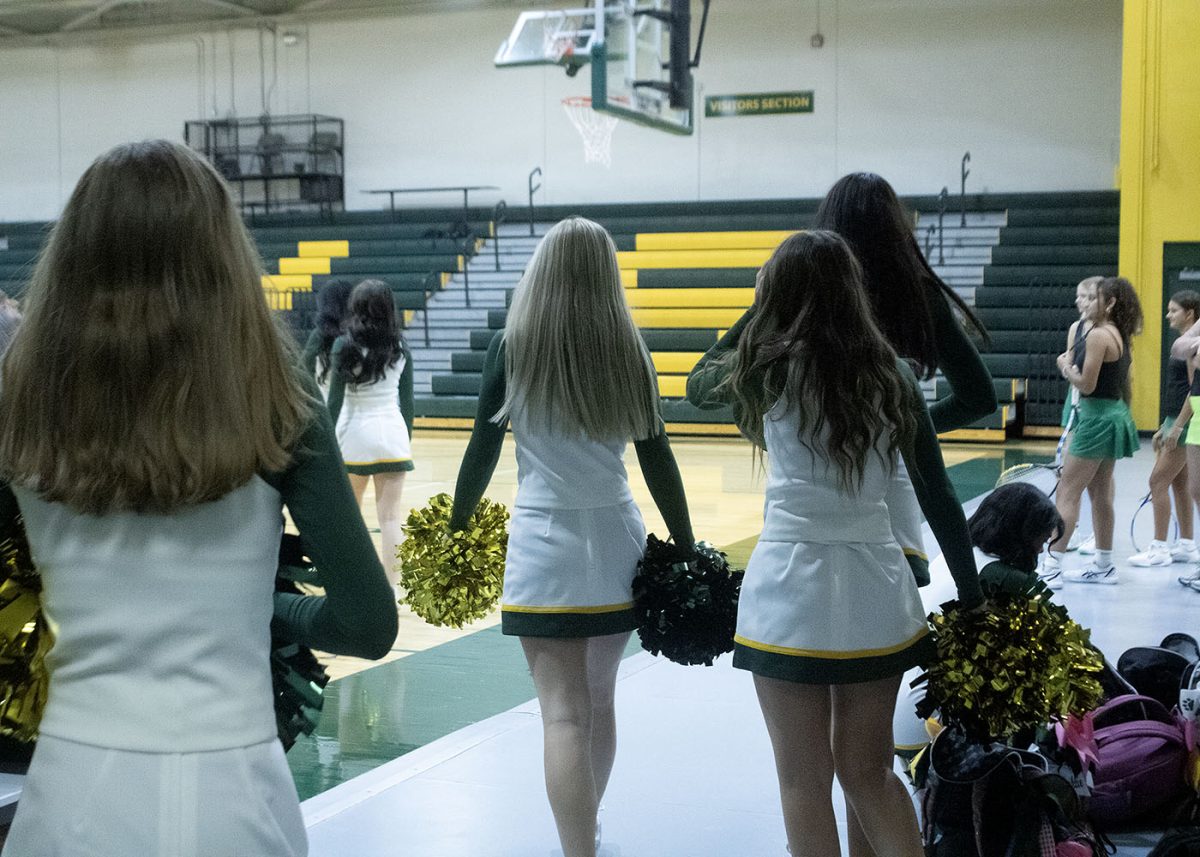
x=536, y=171
x=943, y=198
x=498, y=215
x=964, y=172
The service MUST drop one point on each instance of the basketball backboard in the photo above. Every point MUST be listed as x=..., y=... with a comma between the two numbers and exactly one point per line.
x=638, y=52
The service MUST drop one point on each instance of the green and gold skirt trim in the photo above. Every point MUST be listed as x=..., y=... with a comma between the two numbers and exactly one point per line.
x=1105, y=430
x=555, y=621
x=813, y=666
x=370, y=468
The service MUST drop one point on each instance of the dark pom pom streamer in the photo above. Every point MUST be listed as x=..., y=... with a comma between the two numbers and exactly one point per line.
x=298, y=679
x=453, y=578
x=24, y=639
x=688, y=614
x=1018, y=665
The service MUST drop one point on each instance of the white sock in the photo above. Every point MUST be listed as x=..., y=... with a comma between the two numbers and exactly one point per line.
x=1103, y=559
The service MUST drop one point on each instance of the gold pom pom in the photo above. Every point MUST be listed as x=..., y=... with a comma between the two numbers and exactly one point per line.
x=453, y=578
x=1020, y=664
x=24, y=639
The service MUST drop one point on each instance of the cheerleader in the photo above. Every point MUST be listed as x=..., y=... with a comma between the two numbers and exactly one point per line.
x=332, y=301
x=153, y=426
x=1104, y=430
x=1170, y=471
x=830, y=616
x=371, y=402
x=915, y=310
x=572, y=375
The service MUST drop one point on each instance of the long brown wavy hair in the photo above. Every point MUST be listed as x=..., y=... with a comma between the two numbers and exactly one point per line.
x=813, y=344
x=1125, y=316
x=148, y=373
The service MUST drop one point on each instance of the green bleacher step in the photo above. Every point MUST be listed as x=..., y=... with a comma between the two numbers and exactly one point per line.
x=1018, y=341
x=445, y=406
x=467, y=361
x=995, y=275
x=1082, y=254
x=1043, y=318
x=460, y=384
x=699, y=278
x=692, y=339
x=1069, y=235
x=1091, y=215
x=1003, y=388
x=683, y=411
x=391, y=264
x=397, y=281
x=361, y=232
x=481, y=339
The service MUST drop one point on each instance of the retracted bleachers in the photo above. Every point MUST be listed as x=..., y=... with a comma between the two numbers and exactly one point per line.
x=415, y=256
x=20, y=244
x=1050, y=243
x=689, y=273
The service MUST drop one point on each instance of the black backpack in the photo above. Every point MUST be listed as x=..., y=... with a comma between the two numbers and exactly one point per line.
x=1158, y=671
x=1184, y=842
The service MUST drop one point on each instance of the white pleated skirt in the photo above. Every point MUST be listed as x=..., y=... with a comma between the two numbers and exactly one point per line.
x=569, y=572
x=85, y=801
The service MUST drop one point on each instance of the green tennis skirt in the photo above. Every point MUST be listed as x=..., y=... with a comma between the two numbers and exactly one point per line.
x=1104, y=429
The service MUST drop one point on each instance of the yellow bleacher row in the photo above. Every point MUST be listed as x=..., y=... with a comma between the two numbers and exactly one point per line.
x=704, y=308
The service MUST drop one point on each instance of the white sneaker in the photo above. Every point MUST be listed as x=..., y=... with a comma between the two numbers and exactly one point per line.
x=1091, y=573
x=1189, y=579
x=1159, y=553
x=1087, y=546
x=1184, y=550
x=1051, y=576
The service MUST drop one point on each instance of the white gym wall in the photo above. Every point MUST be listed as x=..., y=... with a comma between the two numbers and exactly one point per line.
x=902, y=87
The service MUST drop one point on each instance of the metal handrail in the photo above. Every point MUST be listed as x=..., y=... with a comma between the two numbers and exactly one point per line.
x=943, y=198
x=536, y=171
x=498, y=215
x=929, y=233
x=429, y=292
x=966, y=159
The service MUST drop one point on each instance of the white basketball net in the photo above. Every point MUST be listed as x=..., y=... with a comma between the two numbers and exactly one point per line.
x=594, y=127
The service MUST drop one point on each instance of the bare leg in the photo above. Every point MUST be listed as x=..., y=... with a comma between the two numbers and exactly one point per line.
x=560, y=674
x=388, y=487
x=1179, y=487
x=1167, y=469
x=1077, y=474
x=359, y=485
x=1193, y=472
x=798, y=721
x=603, y=659
x=860, y=846
x=1100, y=492
x=862, y=751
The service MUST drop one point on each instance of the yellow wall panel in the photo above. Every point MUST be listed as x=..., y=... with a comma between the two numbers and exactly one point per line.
x=667, y=318
x=766, y=239
x=339, y=249
x=304, y=265
x=629, y=279
x=676, y=362
x=697, y=298
x=692, y=258
x=1160, y=165
x=287, y=282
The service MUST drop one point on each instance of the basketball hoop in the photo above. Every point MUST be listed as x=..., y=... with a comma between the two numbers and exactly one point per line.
x=594, y=127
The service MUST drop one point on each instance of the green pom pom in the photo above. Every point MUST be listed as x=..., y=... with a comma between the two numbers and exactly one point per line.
x=453, y=578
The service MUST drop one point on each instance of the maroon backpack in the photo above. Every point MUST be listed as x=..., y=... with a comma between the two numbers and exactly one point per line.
x=1141, y=756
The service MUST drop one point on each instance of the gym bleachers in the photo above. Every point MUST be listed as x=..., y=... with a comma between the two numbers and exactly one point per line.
x=689, y=271
x=415, y=253
x=1049, y=244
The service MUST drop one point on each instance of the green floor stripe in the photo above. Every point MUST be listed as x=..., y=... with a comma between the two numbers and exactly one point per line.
x=382, y=713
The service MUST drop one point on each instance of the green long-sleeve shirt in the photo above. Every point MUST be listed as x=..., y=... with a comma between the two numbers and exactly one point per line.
x=483, y=452
x=337, y=384
x=972, y=395
x=923, y=460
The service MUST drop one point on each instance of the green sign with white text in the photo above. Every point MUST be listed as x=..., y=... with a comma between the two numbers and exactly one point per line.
x=759, y=104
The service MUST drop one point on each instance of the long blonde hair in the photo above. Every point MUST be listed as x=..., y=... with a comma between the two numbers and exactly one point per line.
x=148, y=373
x=575, y=362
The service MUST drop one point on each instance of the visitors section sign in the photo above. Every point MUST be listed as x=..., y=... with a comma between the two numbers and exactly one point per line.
x=759, y=104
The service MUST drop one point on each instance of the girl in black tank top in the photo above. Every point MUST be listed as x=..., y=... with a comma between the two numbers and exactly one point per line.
x=1170, y=473
x=1104, y=430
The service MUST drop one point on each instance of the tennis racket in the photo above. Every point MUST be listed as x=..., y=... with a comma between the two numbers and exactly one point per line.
x=1141, y=526
x=1043, y=476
